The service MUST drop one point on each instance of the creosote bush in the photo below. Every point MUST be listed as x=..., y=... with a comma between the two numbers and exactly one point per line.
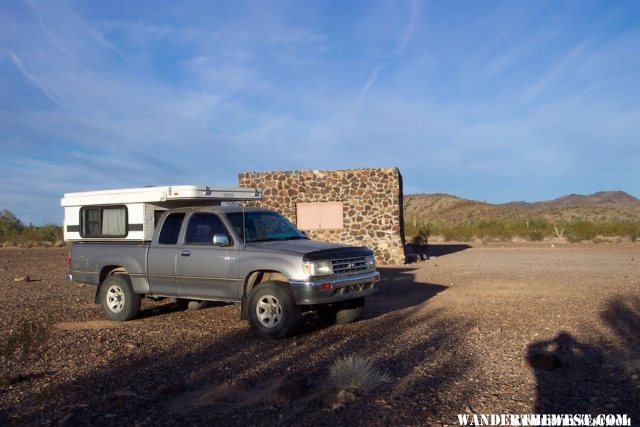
x=25, y=339
x=357, y=373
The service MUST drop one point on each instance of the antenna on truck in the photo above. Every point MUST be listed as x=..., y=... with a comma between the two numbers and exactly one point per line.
x=244, y=229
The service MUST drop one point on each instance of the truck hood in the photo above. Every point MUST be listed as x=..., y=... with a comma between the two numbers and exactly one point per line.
x=311, y=250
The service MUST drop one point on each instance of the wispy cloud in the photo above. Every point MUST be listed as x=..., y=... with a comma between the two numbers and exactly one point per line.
x=53, y=97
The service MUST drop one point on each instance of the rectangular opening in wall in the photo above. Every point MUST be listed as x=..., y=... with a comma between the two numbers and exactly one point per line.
x=320, y=216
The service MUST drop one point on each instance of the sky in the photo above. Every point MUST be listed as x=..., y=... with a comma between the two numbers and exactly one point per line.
x=489, y=100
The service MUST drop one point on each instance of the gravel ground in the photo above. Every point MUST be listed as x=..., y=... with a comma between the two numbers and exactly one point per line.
x=493, y=328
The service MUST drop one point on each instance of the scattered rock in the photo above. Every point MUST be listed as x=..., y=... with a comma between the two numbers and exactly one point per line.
x=22, y=279
x=9, y=380
x=337, y=407
x=381, y=402
x=59, y=244
x=345, y=396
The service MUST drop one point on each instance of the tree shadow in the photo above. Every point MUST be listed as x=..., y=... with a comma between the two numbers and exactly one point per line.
x=398, y=289
x=167, y=306
x=439, y=250
x=575, y=377
x=235, y=378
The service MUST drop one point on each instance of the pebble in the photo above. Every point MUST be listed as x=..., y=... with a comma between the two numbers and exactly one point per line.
x=345, y=396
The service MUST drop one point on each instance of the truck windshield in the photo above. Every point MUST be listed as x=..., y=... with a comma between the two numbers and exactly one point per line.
x=263, y=226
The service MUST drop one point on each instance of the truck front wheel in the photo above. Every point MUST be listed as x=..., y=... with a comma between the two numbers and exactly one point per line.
x=272, y=310
x=117, y=298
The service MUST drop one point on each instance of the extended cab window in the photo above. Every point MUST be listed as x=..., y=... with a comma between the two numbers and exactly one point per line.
x=171, y=229
x=202, y=227
x=104, y=221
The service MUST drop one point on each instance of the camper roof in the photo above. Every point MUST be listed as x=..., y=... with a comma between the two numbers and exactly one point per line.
x=160, y=194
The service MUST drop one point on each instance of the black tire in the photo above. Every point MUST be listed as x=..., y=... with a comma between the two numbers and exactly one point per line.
x=272, y=310
x=191, y=304
x=117, y=298
x=342, y=313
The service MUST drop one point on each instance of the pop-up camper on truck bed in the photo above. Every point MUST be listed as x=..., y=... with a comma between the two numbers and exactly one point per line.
x=131, y=214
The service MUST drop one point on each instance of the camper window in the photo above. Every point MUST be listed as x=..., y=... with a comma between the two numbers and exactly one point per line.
x=103, y=221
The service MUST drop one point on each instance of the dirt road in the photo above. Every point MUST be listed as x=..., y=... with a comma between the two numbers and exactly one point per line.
x=482, y=329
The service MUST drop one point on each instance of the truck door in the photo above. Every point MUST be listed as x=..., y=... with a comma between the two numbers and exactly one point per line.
x=206, y=269
x=163, y=255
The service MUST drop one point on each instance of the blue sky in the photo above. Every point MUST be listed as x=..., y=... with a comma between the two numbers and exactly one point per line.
x=489, y=100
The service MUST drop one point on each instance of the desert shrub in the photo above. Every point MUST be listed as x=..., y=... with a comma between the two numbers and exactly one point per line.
x=421, y=238
x=13, y=231
x=357, y=373
x=534, y=229
x=25, y=338
x=9, y=224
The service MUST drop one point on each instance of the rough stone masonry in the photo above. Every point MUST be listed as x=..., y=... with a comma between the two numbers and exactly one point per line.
x=371, y=204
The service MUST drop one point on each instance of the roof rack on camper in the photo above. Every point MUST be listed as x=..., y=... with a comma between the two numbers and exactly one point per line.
x=132, y=213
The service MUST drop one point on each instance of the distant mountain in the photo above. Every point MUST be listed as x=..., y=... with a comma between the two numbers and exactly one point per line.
x=601, y=206
x=613, y=199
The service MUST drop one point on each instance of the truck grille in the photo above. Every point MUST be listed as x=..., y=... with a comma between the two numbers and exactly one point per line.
x=349, y=265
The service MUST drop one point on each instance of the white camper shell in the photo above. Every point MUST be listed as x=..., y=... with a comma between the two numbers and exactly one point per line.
x=131, y=214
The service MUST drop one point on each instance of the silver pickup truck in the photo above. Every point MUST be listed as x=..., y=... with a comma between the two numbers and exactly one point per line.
x=251, y=256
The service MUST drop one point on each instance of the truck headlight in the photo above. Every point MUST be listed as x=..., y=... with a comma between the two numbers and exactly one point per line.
x=318, y=268
x=371, y=262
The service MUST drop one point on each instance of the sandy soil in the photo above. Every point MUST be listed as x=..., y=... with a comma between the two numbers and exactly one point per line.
x=475, y=329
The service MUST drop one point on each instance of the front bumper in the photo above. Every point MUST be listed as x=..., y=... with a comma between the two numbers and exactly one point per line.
x=334, y=289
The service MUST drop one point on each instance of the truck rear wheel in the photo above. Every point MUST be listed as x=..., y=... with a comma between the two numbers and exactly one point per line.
x=341, y=313
x=272, y=310
x=117, y=298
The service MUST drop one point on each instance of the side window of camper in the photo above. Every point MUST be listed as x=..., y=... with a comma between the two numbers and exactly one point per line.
x=171, y=229
x=104, y=221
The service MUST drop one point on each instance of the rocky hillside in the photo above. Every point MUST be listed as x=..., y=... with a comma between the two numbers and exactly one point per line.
x=601, y=206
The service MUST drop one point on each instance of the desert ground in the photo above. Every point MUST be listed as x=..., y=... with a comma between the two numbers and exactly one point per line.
x=482, y=328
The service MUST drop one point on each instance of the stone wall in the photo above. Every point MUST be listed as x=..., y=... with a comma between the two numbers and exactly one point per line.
x=372, y=204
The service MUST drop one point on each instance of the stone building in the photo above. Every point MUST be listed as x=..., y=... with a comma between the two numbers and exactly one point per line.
x=361, y=207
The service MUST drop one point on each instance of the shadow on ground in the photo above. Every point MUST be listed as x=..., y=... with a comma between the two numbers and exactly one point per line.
x=235, y=378
x=397, y=290
x=574, y=377
x=438, y=250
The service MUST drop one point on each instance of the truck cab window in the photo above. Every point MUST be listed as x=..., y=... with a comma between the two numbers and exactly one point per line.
x=171, y=229
x=202, y=227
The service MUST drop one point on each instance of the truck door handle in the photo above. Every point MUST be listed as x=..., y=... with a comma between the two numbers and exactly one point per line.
x=186, y=253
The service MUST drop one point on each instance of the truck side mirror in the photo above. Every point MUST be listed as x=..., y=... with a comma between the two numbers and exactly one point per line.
x=221, y=240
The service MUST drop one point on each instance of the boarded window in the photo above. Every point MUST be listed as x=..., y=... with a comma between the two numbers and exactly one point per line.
x=320, y=216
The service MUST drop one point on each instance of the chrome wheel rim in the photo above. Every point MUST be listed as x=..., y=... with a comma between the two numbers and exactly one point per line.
x=269, y=311
x=115, y=299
